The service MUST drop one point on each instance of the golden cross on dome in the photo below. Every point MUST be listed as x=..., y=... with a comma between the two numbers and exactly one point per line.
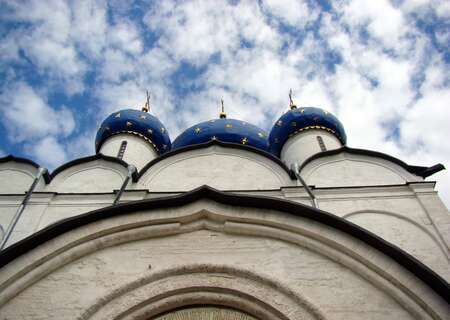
x=222, y=115
x=146, y=107
x=291, y=102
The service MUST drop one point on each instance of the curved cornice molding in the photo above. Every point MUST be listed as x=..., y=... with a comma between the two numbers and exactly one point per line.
x=221, y=144
x=8, y=158
x=98, y=156
x=429, y=277
x=416, y=170
x=48, y=177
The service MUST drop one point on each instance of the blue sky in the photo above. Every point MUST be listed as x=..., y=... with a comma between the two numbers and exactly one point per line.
x=382, y=67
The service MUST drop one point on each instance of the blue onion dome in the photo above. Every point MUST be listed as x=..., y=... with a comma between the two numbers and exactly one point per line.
x=224, y=130
x=136, y=122
x=298, y=120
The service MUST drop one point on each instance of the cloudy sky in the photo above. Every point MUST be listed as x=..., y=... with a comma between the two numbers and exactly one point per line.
x=382, y=67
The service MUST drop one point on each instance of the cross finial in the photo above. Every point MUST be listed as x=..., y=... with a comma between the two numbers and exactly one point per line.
x=146, y=107
x=291, y=102
x=222, y=115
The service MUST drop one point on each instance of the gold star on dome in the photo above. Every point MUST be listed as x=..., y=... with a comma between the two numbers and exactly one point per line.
x=163, y=129
x=228, y=125
x=129, y=123
x=197, y=130
x=213, y=138
x=302, y=110
x=279, y=123
x=117, y=115
x=142, y=117
x=244, y=140
x=150, y=131
x=261, y=135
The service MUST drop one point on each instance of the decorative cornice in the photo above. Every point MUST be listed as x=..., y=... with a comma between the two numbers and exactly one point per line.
x=416, y=170
x=429, y=277
x=217, y=142
x=8, y=158
x=98, y=156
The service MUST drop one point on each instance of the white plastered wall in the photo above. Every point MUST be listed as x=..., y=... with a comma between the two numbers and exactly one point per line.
x=138, y=152
x=116, y=267
x=17, y=177
x=305, y=144
x=346, y=169
x=215, y=166
x=94, y=176
x=398, y=215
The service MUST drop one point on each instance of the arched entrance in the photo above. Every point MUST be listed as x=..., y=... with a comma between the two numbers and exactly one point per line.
x=204, y=313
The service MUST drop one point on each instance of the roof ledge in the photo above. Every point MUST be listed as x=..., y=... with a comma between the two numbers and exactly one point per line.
x=8, y=158
x=420, y=171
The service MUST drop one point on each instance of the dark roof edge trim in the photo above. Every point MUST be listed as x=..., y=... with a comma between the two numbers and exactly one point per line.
x=218, y=143
x=46, y=175
x=98, y=156
x=420, y=171
x=429, y=277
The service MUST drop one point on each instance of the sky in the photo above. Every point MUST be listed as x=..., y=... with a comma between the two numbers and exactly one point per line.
x=382, y=67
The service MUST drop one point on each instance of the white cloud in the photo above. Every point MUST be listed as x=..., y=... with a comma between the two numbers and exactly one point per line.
x=296, y=13
x=125, y=37
x=48, y=152
x=383, y=21
x=27, y=115
x=89, y=26
x=246, y=58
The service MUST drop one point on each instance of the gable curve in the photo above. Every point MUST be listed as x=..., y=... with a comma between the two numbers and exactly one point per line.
x=19, y=180
x=205, y=230
x=351, y=170
x=407, y=234
x=93, y=176
x=221, y=169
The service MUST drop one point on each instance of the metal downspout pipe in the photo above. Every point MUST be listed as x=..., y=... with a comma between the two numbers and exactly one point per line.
x=295, y=168
x=21, y=208
x=131, y=171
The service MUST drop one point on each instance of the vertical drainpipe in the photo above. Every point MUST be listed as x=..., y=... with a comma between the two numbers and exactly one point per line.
x=131, y=171
x=21, y=208
x=296, y=170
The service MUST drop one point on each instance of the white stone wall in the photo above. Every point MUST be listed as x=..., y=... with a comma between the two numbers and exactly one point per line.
x=218, y=167
x=89, y=177
x=17, y=177
x=138, y=151
x=374, y=193
x=304, y=144
x=256, y=260
x=346, y=169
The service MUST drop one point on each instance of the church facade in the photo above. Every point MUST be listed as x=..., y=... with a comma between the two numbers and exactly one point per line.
x=225, y=222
